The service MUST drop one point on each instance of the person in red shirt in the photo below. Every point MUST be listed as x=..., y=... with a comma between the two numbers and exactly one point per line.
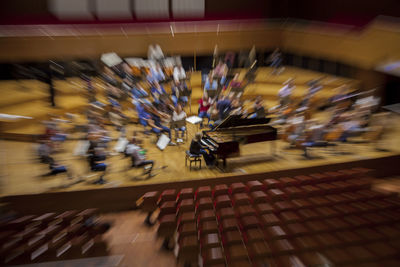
x=204, y=105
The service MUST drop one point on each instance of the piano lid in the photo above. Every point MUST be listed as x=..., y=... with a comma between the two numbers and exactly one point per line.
x=237, y=120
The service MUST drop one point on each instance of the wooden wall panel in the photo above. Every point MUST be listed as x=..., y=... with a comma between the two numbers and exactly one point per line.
x=362, y=49
x=43, y=48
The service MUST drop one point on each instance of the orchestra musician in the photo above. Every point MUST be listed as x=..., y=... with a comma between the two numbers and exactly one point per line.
x=285, y=92
x=204, y=106
x=178, y=115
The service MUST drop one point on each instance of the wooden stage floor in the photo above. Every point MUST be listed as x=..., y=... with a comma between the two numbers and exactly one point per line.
x=21, y=173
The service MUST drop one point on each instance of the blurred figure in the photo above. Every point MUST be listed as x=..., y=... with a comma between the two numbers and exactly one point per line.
x=259, y=110
x=275, y=60
x=285, y=92
x=155, y=53
x=179, y=73
x=135, y=152
x=179, y=115
x=204, y=106
x=197, y=148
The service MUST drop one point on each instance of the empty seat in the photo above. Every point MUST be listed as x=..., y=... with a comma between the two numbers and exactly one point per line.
x=204, y=203
x=220, y=189
x=271, y=183
x=276, y=194
x=264, y=208
x=282, y=246
x=167, y=195
x=237, y=188
x=249, y=221
x=210, y=241
x=206, y=215
x=222, y=201
x=225, y=213
x=186, y=193
x=246, y=210
x=275, y=232
x=212, y=256
x=253, y=234
x=229, y=224
x=258, y=197
x=254, y=186
x=287, y=181
x=208, y=227
x=185, y=205
x=232, y=236
x=167, y=225
x=236, y=252
x=168, y=207
x=241, y=199
x=203, y=191
x=303, y=179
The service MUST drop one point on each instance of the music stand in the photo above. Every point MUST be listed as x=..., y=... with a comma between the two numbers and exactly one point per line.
x=178, y=124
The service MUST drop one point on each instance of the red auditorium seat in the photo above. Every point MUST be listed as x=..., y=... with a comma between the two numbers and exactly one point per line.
x=222, y=201
x=204, y=203
x=220, y=189
x=271, y=183
x=167, y=195
x=241, y=199
x=237, y=188
x=203, y=191
x=232, y=236
x=225, y=213
x=186, y=193
x=254, y=186
x=329, y=218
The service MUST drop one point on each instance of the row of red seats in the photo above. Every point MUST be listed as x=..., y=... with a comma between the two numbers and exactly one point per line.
x=261, y=222
x=51, y=236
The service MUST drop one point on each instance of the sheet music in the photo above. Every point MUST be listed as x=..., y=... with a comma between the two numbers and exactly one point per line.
x=194, y=119
x=163, y=141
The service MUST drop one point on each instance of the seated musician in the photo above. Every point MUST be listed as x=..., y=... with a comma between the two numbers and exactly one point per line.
x=179, y=115
x=157, y=73
x=156, y=126
x=96, y=158
x=137, y=91
x=210, y=83
x=224, y=106
x=220, y=71
x=143, y=113
x=179, y=73
x=179, y=89
x=285, y=92
x=259, y=110
x=157, y=90
x=236, y=83
x=197, y=148
x=134, y=151
x=109, y=77
x=204, y=106
x=237, y=108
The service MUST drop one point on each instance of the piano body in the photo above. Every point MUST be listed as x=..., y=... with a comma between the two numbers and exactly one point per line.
x=225, y=139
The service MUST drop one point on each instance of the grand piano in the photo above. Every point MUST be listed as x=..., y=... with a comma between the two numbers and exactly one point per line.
x=225, y=139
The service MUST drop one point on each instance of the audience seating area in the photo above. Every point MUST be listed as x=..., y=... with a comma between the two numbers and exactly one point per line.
x=322, y=219
x=51, y=237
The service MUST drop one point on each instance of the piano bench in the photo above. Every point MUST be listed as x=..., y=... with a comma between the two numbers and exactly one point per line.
x=193, y=158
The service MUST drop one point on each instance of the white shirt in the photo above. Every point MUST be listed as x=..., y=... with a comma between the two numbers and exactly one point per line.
x=179, y=73
x=178, y=117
